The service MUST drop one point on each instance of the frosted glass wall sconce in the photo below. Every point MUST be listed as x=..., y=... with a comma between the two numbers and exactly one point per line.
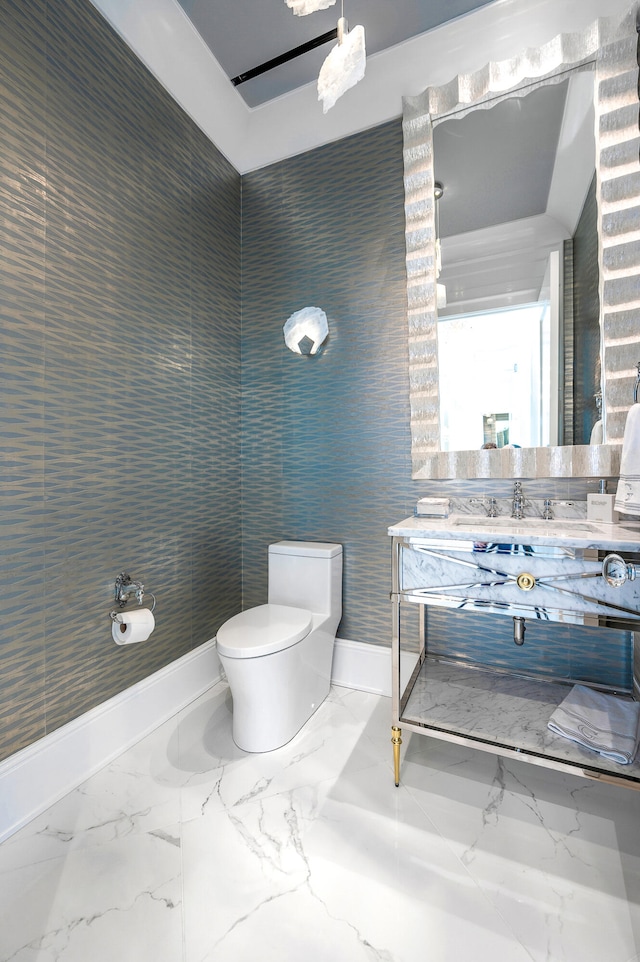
x=306, y=330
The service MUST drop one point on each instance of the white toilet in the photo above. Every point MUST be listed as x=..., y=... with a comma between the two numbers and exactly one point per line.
x=277, y=657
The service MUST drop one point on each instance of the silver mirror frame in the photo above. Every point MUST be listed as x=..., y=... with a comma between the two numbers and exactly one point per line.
x=612, y=46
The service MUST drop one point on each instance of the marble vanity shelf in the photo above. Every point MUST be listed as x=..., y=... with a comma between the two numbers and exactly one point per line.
x=569, y=532
x=501, y=713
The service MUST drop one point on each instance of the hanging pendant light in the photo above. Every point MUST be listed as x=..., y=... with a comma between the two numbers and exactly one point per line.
x=344, y=66
x=302, y=7
x=346, y=63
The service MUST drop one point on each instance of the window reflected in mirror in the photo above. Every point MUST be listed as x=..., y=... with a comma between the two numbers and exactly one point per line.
x=504, y=397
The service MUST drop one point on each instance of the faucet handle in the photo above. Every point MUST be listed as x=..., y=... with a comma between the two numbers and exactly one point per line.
x=548, y=507
x=491, y=504
x=518, y=501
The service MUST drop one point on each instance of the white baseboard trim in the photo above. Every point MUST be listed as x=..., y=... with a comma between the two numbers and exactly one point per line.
x=367, y=667
x=36, y=777
x=39, y=775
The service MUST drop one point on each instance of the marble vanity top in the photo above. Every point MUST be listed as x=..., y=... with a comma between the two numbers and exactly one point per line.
x=572, y=532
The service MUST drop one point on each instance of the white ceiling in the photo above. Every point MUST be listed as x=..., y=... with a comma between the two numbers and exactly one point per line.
x=167, y=41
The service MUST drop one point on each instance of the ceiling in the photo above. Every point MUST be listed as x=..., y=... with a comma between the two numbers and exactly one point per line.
x=497, y=165
x=243, y=34
x=195, y=67
x=515, y=179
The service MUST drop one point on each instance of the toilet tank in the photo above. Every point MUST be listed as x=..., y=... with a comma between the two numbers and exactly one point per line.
x=306, y=574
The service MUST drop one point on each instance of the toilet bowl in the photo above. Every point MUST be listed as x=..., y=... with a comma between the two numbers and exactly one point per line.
x=277, y=657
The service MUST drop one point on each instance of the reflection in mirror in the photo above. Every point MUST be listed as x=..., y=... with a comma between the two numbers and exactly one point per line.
x=529, y=256
x=506, y=400
x=518, y=184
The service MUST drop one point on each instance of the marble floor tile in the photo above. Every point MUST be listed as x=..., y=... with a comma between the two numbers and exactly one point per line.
x=187, y=849
x=556, y=855
x=115, y=901
x=218, y=775
x=137, y=793
x=352, y=863
x=188, y=765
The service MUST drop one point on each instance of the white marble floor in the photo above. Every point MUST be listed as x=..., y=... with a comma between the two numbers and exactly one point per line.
x=186, y=849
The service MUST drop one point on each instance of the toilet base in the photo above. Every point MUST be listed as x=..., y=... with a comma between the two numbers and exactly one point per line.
x=275, y=695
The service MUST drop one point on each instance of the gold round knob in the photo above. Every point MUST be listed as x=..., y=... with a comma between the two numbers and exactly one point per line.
x=526, y=581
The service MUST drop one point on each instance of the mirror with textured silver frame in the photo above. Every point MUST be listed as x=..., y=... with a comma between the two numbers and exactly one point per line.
x=611, y=47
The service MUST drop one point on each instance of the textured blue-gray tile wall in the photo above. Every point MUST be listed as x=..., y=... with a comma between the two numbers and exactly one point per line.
x=599, y=655
x=326, y=449
x=119, y=367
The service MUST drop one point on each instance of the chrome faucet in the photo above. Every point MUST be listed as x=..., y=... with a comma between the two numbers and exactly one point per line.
x=517, y=510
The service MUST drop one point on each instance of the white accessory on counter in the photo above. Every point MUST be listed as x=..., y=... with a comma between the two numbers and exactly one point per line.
x=603, y=723
x=432, y=508
x=628, y=493
x=600, y=507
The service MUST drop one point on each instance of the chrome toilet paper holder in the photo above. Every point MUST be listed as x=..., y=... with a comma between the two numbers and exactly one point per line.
x=125, y=587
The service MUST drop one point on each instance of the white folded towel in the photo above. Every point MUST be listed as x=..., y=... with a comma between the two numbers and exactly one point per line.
x=628, y=493
x=604, y=723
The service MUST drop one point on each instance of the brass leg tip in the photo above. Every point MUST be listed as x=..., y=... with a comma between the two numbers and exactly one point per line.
x=396, y=741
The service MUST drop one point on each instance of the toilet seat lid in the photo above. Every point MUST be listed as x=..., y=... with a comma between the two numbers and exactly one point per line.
x=263, y=631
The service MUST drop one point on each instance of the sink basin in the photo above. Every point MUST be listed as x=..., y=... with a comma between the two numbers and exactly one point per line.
x=555, y=527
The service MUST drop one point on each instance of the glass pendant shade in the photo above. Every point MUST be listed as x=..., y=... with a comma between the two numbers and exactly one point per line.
x=343, y=68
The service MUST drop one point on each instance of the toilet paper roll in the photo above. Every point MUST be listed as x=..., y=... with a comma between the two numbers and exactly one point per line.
x=133, y=626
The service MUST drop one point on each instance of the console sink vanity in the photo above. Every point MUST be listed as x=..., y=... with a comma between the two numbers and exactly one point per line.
x=464, y=577
x=568, y=570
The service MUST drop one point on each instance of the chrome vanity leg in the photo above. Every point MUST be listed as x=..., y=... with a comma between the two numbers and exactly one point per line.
x=396, y=741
